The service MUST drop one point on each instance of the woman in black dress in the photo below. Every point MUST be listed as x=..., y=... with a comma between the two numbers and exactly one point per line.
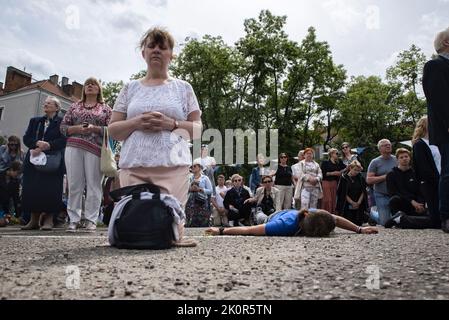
x=42, y=191
x=352, y=198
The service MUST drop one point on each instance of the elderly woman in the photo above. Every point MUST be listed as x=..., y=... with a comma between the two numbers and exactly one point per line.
x=198, y=210
x=154, y=117
x=332, y=170
x=308, y=190
x=42, y=191
x=83, y=125
x=352, y=197
x=427, y=166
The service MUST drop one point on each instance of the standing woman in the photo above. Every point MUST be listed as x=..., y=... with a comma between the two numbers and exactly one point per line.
x=83, y=126
x=308, y=189
x=198, y=210
x=284, y=182
x=154, y=117
x=348, y=157
x=427, y=166
x=332, y=170
x=352, y=197
x=42, y=191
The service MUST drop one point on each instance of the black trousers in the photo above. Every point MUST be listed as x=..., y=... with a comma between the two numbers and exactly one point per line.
x=411, y=219
x=244, y=213
x=431, y=195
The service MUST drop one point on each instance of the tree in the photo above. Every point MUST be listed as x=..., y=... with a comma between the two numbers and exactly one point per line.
x=111, y=91
x=367, y=112
x=406, y=75
x=210, y=65
x=311, y=86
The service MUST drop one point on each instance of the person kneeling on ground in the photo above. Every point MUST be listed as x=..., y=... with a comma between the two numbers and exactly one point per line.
x=289, y=223
x=407, y=204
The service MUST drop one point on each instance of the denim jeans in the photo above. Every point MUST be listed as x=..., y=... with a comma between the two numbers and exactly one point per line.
x=383, y=207
x=444, y=182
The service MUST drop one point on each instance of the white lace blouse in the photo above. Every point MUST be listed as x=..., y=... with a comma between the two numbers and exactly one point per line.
x=176, y=100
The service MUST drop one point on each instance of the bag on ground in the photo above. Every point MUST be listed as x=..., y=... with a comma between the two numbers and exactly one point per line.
x=143, y=222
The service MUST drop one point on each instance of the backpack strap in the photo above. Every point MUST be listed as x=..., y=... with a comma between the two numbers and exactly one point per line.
x=135, y=191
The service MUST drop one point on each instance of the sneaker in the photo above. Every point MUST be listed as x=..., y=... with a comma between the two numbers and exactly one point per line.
x=82, y=224
x=73, y=227
x=90, y=227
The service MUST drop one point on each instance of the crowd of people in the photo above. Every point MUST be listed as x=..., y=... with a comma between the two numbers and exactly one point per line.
x=155, y=117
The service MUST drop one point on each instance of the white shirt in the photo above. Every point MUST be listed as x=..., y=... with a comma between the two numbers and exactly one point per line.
x=218, y=197
x=436, y=154
x=176, y=100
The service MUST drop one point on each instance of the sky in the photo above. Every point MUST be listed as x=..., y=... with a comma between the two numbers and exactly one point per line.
x=84, y=38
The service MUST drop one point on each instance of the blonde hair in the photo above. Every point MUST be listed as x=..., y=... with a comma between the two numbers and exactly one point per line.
x=159, y=36
x=332, y=151
x=440, y=38
x=421, y=130
x=93, y=80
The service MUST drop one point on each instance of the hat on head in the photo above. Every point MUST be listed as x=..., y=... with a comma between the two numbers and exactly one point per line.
x=198, y=162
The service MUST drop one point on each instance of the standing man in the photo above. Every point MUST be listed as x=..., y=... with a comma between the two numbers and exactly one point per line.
x=377, y=176
x=436, y=89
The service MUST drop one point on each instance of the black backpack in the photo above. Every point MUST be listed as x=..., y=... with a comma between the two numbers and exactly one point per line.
x=143, y=223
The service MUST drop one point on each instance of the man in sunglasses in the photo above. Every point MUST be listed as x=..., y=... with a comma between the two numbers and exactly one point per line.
x=239, y=210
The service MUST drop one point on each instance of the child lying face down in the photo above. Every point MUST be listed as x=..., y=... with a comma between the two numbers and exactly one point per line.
x=289, y=223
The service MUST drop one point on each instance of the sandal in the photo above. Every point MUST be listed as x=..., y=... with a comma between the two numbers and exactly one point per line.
x=185, y=243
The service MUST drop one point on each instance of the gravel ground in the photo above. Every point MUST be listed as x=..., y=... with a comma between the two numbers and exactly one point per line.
x=410, y=265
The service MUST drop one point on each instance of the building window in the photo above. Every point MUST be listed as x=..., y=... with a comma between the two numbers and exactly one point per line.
x=2, y=109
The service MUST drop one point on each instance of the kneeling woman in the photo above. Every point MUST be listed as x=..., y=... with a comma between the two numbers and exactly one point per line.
x=289, y=223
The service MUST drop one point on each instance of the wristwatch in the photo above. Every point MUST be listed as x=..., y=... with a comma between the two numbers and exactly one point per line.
x=176, y=126
x=221, y=231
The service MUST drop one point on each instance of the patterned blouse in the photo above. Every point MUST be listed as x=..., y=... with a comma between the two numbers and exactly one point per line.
x=99, y=116
x=176, y=100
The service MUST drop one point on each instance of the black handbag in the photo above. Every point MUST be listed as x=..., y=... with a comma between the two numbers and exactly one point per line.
x=53, y=162
x=143, y=223
x=200, y=198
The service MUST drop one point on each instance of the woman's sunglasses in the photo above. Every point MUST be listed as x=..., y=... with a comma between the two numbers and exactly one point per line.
x=13, y=144
x=265, y=182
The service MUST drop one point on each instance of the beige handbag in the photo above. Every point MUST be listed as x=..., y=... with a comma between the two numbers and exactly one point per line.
x=108, y=164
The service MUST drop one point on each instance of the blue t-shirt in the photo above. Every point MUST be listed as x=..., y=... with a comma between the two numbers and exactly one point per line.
x=283, y=224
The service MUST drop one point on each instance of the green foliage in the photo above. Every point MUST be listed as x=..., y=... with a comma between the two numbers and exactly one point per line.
x=367, y=111
x=267, y=81
x=111, y=91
